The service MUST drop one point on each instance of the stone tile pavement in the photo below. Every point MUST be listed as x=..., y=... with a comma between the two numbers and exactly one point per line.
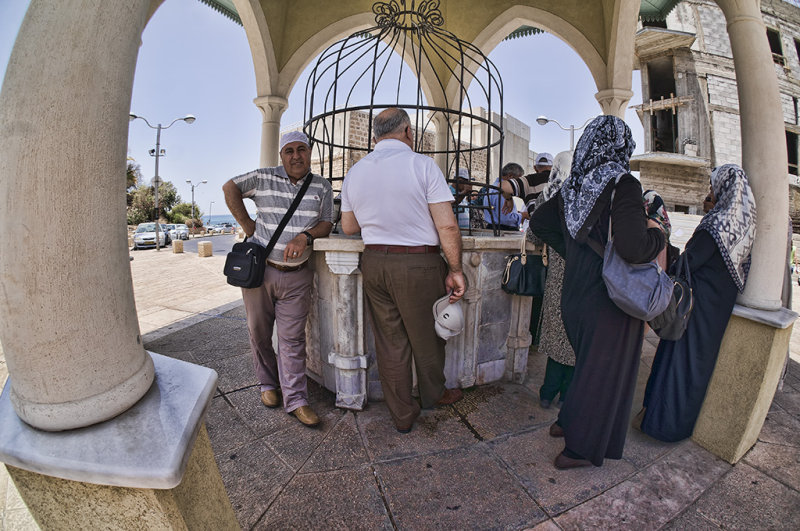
x=485, y=462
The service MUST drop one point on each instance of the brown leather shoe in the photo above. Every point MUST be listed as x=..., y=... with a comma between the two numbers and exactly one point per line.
x=562, y=462
x=556, y=430
x=271, y=398
x=306, y=415
x=450, y=396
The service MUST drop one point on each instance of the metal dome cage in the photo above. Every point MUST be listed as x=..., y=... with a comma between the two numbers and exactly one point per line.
x=408, y=61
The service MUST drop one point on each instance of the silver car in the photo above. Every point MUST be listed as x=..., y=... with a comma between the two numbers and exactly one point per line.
x=145, y=236
x=179, y=231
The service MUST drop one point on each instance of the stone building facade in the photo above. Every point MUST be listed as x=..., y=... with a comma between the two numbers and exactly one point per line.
x=690, y=110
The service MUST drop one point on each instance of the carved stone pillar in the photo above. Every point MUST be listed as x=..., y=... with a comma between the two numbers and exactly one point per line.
x=613, y=101
x=272, y=108
x=348, y=357
x=67, y=315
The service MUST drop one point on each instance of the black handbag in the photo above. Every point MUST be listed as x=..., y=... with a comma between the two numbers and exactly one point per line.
x=672, y=322
x=244, y=265
x=525, y=273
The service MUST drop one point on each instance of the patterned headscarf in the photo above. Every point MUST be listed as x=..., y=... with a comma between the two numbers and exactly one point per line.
x=655, y=210
x=732, y=221
x=603, y=153
x=561, y=166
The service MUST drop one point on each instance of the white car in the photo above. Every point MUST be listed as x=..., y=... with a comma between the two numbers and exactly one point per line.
x=145, y=236
x=179, y=231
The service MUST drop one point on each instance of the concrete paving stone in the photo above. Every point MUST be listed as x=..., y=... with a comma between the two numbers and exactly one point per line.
x=641, y=449
x=793, y=366
x=780, y=428
x=213, y=354
x=225, y=429
x=296, y=443
x=236, y=313
x=652, y=497
x=789, y=400
x=547, y=525
x=253, y=478
x=692, y=520
x=777, y=461
x=338, y=500
x=748, y=499
x=342, y=448
x=434, y=430
x=465, y=488
x=190, y=338
x=260, y=419
x=530, y=455
x=501, y=408
x=234, y=373
x=791, y=381
x=183, y=355
x=19, y=520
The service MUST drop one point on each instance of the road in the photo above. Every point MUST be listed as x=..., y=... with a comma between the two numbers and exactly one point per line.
x=220, y=244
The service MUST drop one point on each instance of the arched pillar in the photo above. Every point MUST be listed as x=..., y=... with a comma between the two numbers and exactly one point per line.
x=272, y=108
x=763, y=149
x=756, y=339
x=614, y=97
x=67, y=315
x=441, y=141
x=613, y=101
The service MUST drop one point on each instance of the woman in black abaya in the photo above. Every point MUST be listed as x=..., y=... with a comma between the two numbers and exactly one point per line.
x=719, y=258
x=606, y=340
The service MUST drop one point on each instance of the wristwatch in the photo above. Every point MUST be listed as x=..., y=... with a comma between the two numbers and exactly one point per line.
x=309, y=237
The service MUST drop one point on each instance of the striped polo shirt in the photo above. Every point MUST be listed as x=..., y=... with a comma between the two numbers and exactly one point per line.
x=273, y=192
x=528, y=187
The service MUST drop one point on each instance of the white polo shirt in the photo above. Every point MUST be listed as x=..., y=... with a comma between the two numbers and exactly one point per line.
x=389, y=190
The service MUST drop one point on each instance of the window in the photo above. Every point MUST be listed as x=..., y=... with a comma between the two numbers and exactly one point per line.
x=664, y=122
x=774, y=38
x=791, y=151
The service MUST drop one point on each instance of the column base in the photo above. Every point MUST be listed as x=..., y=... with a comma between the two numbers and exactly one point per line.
x=744, y=381
x=198, y=502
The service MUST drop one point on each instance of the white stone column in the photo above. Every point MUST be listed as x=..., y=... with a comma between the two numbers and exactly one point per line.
x=613, y=101
x=763, y=150
x=272, y=108
x=67, y=316
x=348, y=356
x=442, y=136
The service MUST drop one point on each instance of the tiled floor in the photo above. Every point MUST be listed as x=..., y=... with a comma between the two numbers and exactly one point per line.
x=485, y=462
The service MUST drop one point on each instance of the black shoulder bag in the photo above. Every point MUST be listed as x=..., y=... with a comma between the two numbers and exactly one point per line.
x=244, y=266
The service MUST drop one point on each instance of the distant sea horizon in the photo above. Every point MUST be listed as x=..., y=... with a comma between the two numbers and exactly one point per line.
x=216, y=219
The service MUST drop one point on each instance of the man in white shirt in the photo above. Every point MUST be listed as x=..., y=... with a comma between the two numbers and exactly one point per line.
x=400, y=202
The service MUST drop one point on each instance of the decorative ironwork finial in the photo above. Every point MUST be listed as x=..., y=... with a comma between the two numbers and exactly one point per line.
x=395, y=14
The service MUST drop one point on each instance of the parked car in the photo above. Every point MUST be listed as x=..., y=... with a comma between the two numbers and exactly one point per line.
x=179, y=232
x=214, y=229
x=145, y=236
x=227, y=228
x=167, y=237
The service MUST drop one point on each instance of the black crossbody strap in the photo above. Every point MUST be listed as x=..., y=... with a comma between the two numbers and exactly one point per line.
x=288, y=215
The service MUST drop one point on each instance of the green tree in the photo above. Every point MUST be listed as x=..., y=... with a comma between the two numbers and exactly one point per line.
x=133, y=177
x=142, y=203
x=182, y=213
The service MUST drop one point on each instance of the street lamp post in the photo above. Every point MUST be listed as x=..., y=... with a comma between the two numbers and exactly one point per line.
x=193, y=187
x=209, y=213
x=157, y=153
x=544, y=120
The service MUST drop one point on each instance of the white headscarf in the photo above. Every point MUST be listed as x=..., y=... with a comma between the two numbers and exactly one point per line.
x=732, y=221
x=561, y=167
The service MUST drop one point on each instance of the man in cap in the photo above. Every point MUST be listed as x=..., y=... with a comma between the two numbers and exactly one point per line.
x=402, y=269
x=284, y=297
x=502, y=217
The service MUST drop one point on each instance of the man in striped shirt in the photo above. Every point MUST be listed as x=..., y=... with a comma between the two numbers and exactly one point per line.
x=285, y=296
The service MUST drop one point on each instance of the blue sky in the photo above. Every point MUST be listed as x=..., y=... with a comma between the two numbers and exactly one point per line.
x=195, y=61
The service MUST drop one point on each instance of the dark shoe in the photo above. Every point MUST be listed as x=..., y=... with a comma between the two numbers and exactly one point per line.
x=450, y=396
x=306, y=415
x=271, y=398
x=556, y=430
x=545, y=403
x=404, y=429
x=562, y=462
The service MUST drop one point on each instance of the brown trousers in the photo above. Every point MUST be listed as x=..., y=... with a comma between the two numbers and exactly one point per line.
x=400, y=291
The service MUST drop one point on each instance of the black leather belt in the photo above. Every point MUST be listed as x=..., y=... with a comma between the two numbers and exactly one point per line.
x=404, y=249
x=287, y=269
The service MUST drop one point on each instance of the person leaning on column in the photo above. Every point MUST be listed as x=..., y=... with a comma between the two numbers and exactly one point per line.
x=400, y=202
x=285, y=296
